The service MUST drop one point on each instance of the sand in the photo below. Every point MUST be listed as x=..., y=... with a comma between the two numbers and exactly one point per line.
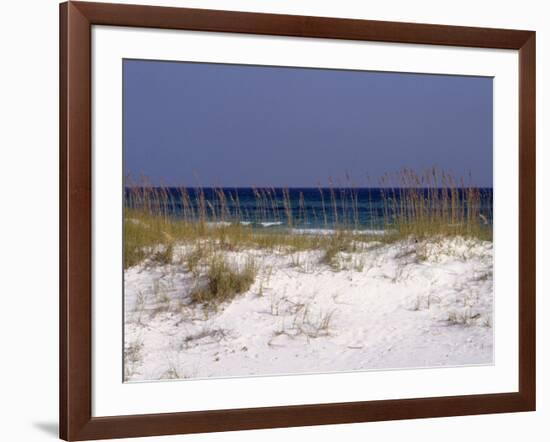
x=403, y=305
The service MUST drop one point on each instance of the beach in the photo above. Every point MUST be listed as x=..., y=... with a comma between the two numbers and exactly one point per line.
x=408, y=303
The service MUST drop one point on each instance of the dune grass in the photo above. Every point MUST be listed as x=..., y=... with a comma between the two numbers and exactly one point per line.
x=431, y=204
x=224, y=281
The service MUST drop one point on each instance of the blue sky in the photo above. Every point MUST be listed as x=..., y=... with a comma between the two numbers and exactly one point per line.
x=239, y=126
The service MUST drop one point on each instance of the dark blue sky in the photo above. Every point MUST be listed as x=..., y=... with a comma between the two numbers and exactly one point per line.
x=239, y=126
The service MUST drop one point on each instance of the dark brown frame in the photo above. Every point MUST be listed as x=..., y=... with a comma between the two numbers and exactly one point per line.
x=76, y=421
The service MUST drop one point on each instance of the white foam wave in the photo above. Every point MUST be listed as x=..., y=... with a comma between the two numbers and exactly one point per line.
x=333, y=231
x=271, y=223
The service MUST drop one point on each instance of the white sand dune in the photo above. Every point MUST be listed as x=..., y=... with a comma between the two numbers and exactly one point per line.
x=404, y=305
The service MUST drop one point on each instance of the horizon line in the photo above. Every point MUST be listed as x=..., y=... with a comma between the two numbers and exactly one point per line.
x=304, y=187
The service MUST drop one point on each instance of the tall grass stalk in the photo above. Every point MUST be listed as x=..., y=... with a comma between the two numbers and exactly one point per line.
x=432, y=203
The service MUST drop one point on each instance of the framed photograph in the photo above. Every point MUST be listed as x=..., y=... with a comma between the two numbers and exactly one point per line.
x=275, y=220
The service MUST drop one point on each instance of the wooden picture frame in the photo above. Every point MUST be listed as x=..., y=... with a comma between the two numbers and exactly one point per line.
x=76, y=21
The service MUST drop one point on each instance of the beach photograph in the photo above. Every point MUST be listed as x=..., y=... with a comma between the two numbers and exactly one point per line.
x=287, y=220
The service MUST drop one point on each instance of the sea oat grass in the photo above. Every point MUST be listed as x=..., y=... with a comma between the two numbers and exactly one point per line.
x=420, y=206
x=224, y=281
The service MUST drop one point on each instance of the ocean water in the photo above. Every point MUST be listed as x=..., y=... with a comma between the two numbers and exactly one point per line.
x=308, y=208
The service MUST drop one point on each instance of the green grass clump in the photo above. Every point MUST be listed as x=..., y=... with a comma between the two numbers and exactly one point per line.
x=140, y=239
x=339, y=242
x=165, y=255
x=150, y=236
x=224, y=281
x=194, y=257
x=431, y=204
